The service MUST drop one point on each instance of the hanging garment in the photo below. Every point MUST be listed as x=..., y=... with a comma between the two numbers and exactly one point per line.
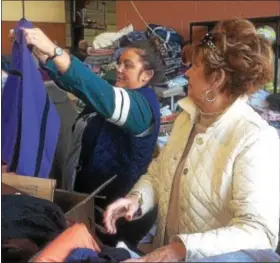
x=67, y=115
x=30, y=123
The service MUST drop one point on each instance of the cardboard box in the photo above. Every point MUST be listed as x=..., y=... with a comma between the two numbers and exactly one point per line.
x=38, y=187
x=76, y=206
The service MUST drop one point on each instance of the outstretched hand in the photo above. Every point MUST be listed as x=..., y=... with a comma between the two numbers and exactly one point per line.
x=123, y=207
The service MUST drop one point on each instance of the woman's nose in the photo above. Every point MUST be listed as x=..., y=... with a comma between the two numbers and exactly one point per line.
x=187, y=72
x=119, y=68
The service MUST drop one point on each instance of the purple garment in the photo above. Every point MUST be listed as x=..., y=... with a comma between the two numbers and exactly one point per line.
x=30, y=123
x=44, y=74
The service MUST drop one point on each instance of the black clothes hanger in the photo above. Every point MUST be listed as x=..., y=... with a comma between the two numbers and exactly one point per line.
x=23, y=10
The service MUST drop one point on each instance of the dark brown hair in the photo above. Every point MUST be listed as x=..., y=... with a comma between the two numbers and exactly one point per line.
x=151, y=58
x=241, y=53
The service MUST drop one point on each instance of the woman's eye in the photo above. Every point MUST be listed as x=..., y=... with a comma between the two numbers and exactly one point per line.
x=128, y=66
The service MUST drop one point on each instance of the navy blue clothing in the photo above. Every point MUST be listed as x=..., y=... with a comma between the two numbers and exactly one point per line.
x=107, y=254
x=82, y=254
x=108, y=149
x=30, y=123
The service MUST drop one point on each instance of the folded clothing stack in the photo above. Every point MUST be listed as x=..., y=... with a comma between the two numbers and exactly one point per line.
x=172, y=41
x=28, y=224
x=76, y=244
x=100, y=56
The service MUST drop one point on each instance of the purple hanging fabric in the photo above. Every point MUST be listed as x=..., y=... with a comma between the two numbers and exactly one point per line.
x=30, y=123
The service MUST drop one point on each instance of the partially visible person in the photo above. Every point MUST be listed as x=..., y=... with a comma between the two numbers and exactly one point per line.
x=269, y=34
x=216, y=182
x=121, y=138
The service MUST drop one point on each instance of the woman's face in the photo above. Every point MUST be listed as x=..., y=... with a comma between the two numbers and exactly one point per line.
x=197, y=82
x=130, y=71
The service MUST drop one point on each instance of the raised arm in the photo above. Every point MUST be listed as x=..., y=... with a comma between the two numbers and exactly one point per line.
x=125, y=108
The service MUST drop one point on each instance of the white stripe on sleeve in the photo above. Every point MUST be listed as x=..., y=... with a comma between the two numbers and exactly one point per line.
x=122, y=107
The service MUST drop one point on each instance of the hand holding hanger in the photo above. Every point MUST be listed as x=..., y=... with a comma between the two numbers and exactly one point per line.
x=38, y=39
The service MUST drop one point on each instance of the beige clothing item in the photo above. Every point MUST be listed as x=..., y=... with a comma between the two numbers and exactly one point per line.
x=231, y=185
x=173, y=215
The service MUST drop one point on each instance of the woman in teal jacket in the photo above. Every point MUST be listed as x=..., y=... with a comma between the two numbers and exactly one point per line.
x=121, y=138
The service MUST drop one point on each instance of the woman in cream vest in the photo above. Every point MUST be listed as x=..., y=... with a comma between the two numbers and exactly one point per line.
x=216, y=183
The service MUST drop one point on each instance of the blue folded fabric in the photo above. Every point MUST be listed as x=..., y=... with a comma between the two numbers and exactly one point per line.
x=82, y=254
x=30, y=123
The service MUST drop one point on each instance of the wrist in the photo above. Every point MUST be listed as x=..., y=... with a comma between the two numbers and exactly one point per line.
x=51, y=53
x=136, y=197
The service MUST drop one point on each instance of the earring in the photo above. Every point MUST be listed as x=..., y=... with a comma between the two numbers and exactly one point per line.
x=209, y=98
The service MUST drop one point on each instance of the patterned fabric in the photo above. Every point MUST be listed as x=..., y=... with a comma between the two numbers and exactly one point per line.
x=166, y=33
x=169, y=43
x=171, y=54
x=130, y=38
x=229, y=187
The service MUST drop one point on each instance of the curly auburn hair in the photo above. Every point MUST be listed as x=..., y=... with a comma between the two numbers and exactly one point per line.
x=245, y=57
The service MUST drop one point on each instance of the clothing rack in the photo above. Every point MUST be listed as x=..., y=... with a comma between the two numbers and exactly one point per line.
x=264, y=20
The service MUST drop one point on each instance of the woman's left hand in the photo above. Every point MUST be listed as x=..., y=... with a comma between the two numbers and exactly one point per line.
x=37, y=38
x=173, y=252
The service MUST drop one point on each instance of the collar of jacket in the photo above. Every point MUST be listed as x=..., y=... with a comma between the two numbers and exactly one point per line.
x=192, y=110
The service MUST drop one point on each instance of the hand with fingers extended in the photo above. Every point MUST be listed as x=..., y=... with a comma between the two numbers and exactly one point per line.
x=121, y=208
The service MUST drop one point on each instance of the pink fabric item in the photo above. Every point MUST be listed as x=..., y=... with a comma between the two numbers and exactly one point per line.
x=100, y=52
